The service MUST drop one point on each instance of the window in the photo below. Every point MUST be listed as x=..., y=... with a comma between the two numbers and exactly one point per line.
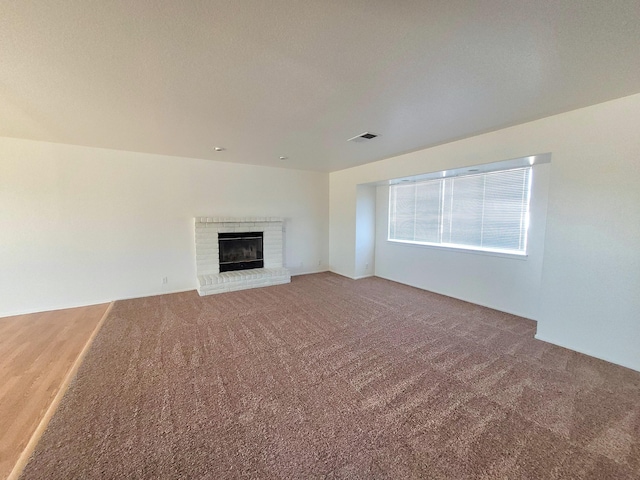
x=485, y=211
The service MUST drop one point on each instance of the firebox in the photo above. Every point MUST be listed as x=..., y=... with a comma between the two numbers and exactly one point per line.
x=240, y=251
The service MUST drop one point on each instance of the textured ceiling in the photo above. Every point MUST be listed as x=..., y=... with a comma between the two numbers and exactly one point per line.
x=275, y=78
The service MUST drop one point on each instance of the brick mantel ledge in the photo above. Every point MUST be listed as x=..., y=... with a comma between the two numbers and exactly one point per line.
x=238, y=219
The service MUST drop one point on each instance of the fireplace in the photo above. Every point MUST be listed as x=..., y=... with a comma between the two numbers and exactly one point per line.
x=240, y=251
x=251, y=263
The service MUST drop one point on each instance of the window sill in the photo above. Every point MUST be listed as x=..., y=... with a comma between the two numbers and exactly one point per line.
x=473, y=251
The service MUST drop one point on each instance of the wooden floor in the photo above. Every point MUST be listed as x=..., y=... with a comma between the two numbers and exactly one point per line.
x=37, y=352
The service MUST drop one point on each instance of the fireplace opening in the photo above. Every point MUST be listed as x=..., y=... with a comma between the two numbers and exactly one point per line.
x=240, y=251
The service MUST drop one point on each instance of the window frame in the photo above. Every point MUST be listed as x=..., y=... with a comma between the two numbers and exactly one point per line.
x=441, y=177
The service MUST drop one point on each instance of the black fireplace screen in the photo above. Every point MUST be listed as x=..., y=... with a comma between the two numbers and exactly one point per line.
x=240, y=251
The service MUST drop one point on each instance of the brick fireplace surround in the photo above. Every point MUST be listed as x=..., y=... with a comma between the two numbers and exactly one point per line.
x=210, y=280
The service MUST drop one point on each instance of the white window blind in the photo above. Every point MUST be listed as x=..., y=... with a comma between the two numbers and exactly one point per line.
x=486, y=211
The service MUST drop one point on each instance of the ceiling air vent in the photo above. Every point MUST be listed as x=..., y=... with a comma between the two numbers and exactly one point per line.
x=363, y=137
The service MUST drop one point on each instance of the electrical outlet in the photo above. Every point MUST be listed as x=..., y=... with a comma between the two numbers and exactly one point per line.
x=165, y=280
x=319, y=263
x=366, y=267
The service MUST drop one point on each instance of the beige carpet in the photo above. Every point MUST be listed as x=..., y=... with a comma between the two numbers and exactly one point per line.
x=332, y=378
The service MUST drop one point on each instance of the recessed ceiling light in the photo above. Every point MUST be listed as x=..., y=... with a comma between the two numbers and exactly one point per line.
x=219, y=149
x=283, y=158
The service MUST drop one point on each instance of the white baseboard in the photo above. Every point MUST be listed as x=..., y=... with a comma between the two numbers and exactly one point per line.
x=587, y=352
x=459, y=298
x=52, y=309
x=363, y=276
x=353, y=278
x=88, y=304
x=341, y=274
x=164, y=292
x=309, y=272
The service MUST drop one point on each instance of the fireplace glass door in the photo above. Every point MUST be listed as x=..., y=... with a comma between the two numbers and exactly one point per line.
x=240, y=251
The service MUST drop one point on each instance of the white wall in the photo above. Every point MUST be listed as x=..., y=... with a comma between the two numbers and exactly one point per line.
x=590, y=298
x=84, y=225
x=365, y=230
x=590, y=279
x=507, y=283
x=342, y=227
